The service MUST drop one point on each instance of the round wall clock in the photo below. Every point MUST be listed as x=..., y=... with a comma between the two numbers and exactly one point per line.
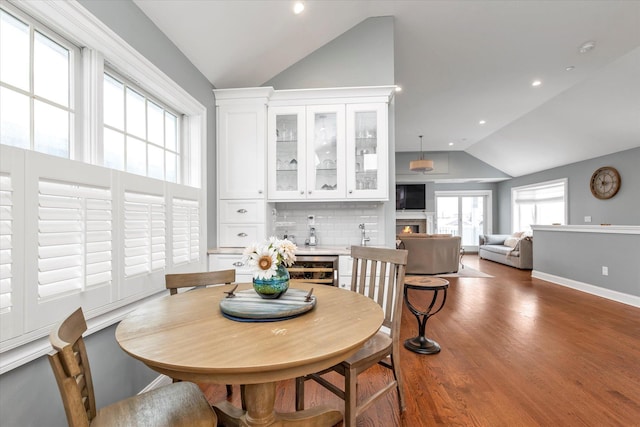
x=605, y=182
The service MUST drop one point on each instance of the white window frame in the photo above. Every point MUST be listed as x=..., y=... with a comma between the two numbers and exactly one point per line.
x=488, y=208
x=73, y=22
x=75, y=84
x=515, y=211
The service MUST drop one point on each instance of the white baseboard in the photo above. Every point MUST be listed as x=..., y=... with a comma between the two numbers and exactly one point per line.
x=160, y=381
x=590, y=289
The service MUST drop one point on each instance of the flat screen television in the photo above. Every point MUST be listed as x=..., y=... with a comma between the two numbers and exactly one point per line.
x=410, y=196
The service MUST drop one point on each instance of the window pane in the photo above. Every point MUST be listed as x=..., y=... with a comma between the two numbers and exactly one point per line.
x=14, y=118
x=136, y=123
x=50, y=70
x=171, y=167
x=51, y=129
x=136, y=156
x=113, y=149
x=14, y=51
x=155, y=129
x=171, y=131
x=113, y=103
x=156, y=162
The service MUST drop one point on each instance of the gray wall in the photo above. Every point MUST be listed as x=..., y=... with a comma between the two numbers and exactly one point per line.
x=28, y=394
x=581, y=256
x=622, y=209
x=362, y=56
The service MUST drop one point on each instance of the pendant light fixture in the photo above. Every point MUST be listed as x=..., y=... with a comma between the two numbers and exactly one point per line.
x=422, y=164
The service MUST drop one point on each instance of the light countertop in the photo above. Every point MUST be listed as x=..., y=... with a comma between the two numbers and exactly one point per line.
x=302, y=250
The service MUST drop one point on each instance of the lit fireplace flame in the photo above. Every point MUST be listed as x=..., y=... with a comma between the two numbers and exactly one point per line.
x=407, y=230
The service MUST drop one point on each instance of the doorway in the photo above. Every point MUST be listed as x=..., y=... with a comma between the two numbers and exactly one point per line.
x=464, y=213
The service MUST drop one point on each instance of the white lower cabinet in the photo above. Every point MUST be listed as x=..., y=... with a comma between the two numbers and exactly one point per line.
x=241, y=223
x=231, y=261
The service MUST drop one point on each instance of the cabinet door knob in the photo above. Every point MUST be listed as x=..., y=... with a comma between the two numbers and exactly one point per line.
x=350, y=191
x=259, y=191
x=241, y=211
x=242, y=234
x=309, y=191
x=301, y=191
x=238, y=264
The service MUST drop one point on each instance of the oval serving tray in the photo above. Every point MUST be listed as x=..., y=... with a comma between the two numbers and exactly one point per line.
x=248, y=305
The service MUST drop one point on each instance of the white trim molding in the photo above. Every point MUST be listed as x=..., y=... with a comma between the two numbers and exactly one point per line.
x=602, y=228
x=631, y=300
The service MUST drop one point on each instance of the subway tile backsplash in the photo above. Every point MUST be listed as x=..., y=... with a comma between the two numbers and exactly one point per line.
x=336, y=223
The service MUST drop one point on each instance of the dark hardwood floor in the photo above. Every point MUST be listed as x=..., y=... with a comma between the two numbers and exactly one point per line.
x=516, y=351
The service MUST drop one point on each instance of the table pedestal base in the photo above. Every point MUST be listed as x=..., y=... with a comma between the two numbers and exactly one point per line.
x=260, y=399
x=422, y=345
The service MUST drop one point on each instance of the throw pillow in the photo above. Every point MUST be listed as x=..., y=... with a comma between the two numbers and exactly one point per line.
x=518, y=234
x=493, y=239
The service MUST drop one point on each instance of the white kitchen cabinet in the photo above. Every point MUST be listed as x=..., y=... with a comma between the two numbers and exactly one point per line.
x=367, y=157
x=231, y=261
x=241, y=151
x=241, y=165
x=328, y=144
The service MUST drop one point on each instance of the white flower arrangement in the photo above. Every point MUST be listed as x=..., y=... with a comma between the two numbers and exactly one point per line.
x=265, y=258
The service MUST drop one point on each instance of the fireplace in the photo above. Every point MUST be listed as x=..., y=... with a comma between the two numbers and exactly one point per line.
x=414, y=222
x=411, y=226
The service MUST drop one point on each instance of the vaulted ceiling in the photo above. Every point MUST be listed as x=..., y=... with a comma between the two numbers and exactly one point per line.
x=457, y=61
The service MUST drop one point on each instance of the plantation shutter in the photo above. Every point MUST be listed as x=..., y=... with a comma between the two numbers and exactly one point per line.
x=144, y=240
x=6, y=235
x=186, y=231
x=74, y=237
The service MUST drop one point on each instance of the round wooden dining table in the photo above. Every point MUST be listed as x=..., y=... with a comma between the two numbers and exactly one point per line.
x=187, y=337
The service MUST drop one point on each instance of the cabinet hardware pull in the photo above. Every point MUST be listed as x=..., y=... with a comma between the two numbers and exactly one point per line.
x=259, y=191
x=309, y=191
x=301, y=191
x=241, y=211
x=238, y=264
x=350, y=191
x=242, y=234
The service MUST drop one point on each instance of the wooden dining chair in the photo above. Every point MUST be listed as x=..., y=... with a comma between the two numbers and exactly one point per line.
x=178, y=404
x=378, y=273
x=173, y=282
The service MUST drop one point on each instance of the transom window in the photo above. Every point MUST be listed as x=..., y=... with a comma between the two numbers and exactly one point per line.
x=140, y=134
x=36, y=96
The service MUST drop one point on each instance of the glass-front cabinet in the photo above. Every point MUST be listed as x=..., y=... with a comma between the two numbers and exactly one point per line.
x=286, y=153
x=325, y=151
x=328, y=151
x=367, y=151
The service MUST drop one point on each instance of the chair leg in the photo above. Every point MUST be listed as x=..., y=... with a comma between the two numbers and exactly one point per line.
x=229, y=390
x=397, y=374
x=299, y=393
x=350, y=398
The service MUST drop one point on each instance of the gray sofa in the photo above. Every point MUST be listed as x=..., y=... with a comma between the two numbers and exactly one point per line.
x=507, y=249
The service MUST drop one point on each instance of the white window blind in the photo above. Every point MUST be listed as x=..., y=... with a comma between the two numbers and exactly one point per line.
x=186, y=231
x=6, y=234
x=145, y=233
x=74, y=237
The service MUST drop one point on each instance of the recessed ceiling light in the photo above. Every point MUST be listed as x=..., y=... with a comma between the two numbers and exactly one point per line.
x=298, y=7
x=450, y=144
x=587, y=46
x=536, y=83
x=482, y=122
x=570, y=68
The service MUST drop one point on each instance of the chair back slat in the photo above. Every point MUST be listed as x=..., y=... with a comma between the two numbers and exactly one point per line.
x=189, y=280
x=70, y=365
x=379, y=274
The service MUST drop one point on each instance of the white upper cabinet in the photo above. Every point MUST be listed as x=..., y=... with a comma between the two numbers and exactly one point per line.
x=367, y=159
x=286, y=153
x=241, y=142
x=328, y=144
